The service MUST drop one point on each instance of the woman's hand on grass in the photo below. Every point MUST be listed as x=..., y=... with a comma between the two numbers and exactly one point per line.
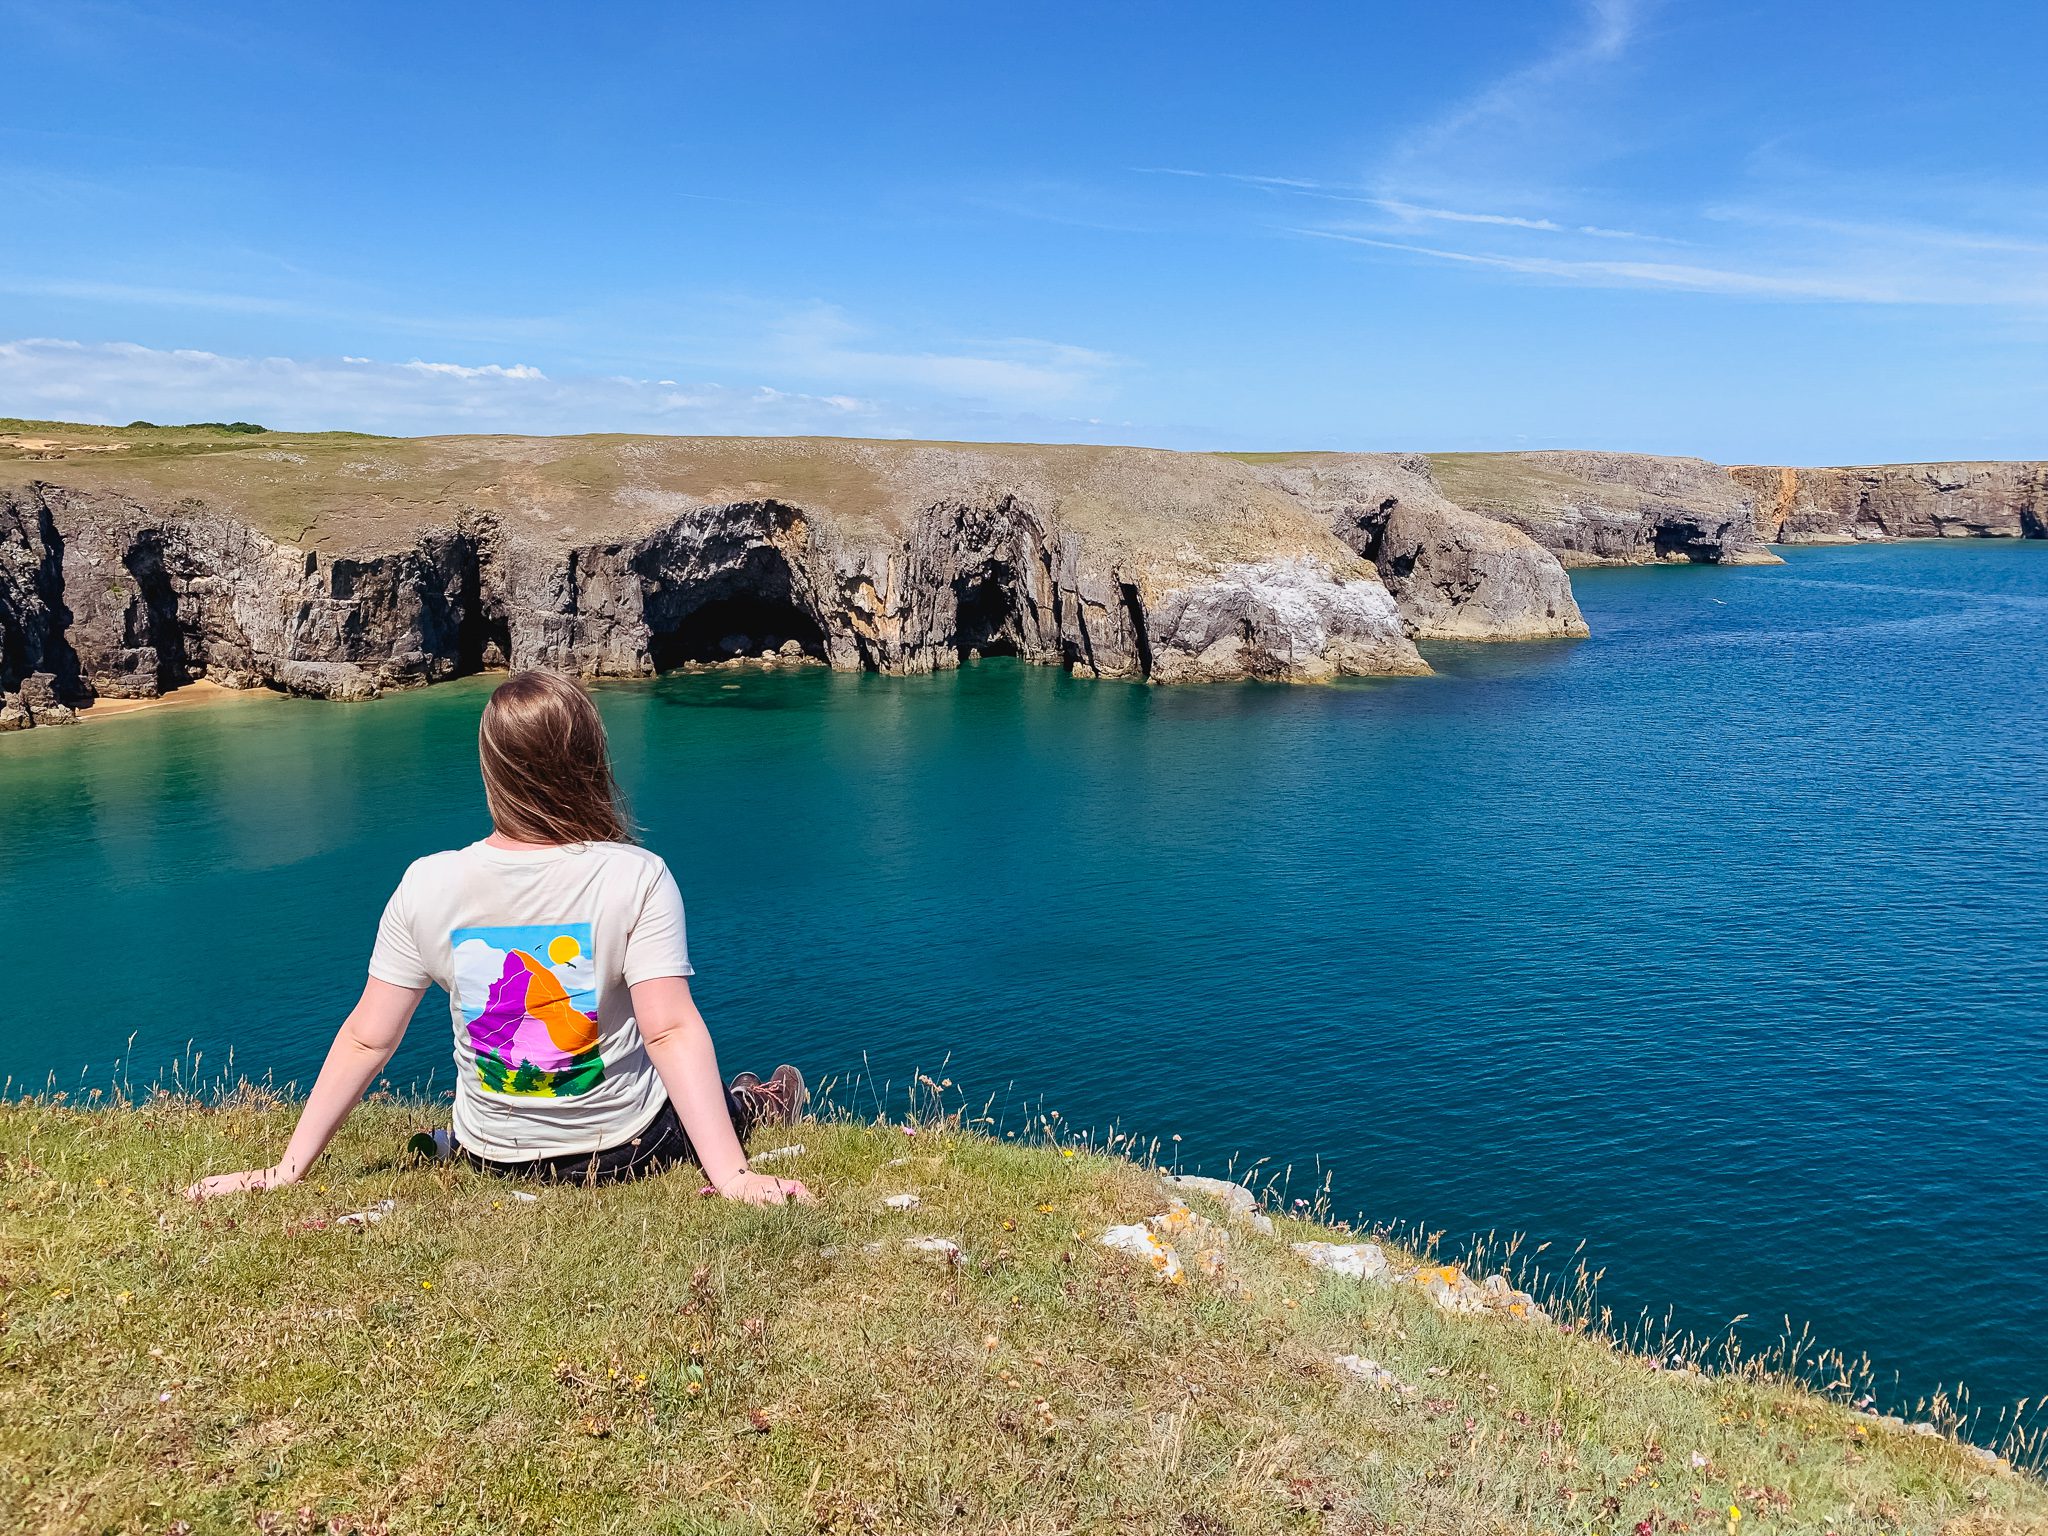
x=236, y=1183
x=766, y=1189
x=368, y=1036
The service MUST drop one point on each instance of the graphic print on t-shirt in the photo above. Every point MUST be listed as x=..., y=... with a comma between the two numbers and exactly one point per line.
x=529, y=995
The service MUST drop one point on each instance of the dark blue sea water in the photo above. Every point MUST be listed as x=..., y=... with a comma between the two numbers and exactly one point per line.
x=1714, y=941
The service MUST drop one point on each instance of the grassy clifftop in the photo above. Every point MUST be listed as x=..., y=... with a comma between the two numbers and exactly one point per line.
x=641, y=1359
x=345, y=491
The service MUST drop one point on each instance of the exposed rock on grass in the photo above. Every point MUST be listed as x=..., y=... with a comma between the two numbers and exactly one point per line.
x=640, y=1358
x=1238, y=1202
x=1354, y=1261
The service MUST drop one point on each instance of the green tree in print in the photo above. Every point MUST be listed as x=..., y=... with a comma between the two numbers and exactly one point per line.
x=581, y=1075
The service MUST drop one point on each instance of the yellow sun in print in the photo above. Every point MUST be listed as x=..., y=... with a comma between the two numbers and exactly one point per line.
x=563, y=950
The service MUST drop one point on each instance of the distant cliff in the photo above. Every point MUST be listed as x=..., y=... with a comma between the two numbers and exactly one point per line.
x=1898, y=501
x=134, y=560
x=1632, y=508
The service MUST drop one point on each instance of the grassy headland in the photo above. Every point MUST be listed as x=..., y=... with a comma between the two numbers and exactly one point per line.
x=642, y=1359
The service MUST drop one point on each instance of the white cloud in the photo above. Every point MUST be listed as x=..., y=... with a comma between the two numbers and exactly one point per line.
x=821, y=342
x=1453, y=216
x=121, y=381
x=1008, y=391
x=579, y=979
x=1525, y=102
x=1648, y=274
x=1502, y=184
x=477, y=969
x=1874, y=272
x=457, y=371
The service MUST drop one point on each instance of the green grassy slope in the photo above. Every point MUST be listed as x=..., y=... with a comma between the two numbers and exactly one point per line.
x=643, y=1359
x=339, y=491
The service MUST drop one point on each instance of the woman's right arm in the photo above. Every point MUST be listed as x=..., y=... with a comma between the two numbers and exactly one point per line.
x=368, y=1037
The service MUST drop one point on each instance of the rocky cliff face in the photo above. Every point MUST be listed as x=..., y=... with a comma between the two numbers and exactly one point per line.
x=1455, y=574
x=1612, y=508
x=128, y=580
x=133, y=560
x=1898, y=501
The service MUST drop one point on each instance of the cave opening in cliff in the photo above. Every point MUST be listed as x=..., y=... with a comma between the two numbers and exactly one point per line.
x=749, y=611
x=986, y=622
x=152, y=617
x=1682, y=541
x=483, y=641
x=726, y=628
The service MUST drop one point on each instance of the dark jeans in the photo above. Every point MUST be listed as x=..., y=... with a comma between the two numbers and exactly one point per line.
x=655, y=1150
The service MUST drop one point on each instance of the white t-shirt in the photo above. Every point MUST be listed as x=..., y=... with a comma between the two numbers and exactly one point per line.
x=536, y=949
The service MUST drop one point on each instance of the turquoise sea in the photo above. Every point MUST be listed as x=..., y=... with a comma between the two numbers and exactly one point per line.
x=1714, y=941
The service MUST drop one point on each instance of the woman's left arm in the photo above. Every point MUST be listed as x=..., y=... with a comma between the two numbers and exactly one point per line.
x=368, y=1037
x=679, y=1045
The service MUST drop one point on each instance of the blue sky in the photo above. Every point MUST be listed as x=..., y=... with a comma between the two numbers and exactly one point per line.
x=1800, y=232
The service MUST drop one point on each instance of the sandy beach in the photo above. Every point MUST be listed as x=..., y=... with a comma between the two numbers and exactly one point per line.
x=198, y=691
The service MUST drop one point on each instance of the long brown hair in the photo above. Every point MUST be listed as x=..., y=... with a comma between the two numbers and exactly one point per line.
x=547, y=771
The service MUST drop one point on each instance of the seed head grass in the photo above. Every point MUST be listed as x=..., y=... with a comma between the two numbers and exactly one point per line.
x=644, y=1359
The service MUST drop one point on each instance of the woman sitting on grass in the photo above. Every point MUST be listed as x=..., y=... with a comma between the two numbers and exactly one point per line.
x=579, y=1054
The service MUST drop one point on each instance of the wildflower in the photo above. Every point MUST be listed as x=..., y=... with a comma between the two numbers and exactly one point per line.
x=1045, y=1210
x=1066, y=1151
x=426, y=1285
x=1700, y=1460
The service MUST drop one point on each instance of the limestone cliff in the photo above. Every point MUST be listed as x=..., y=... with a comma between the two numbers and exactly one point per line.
x=133, y=560
x=339, y=566
x=1612, y=508
x=1456, y=574
x=1898, y=501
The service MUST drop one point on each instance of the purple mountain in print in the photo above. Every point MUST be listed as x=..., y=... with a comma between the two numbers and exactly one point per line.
x=528, y=1019
x=493, y=1029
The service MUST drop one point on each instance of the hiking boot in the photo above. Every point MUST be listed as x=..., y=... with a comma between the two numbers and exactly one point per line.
x=779, y=1101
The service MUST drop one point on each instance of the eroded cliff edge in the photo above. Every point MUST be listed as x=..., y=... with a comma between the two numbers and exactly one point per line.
x=339, y=566
x=135, y=560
